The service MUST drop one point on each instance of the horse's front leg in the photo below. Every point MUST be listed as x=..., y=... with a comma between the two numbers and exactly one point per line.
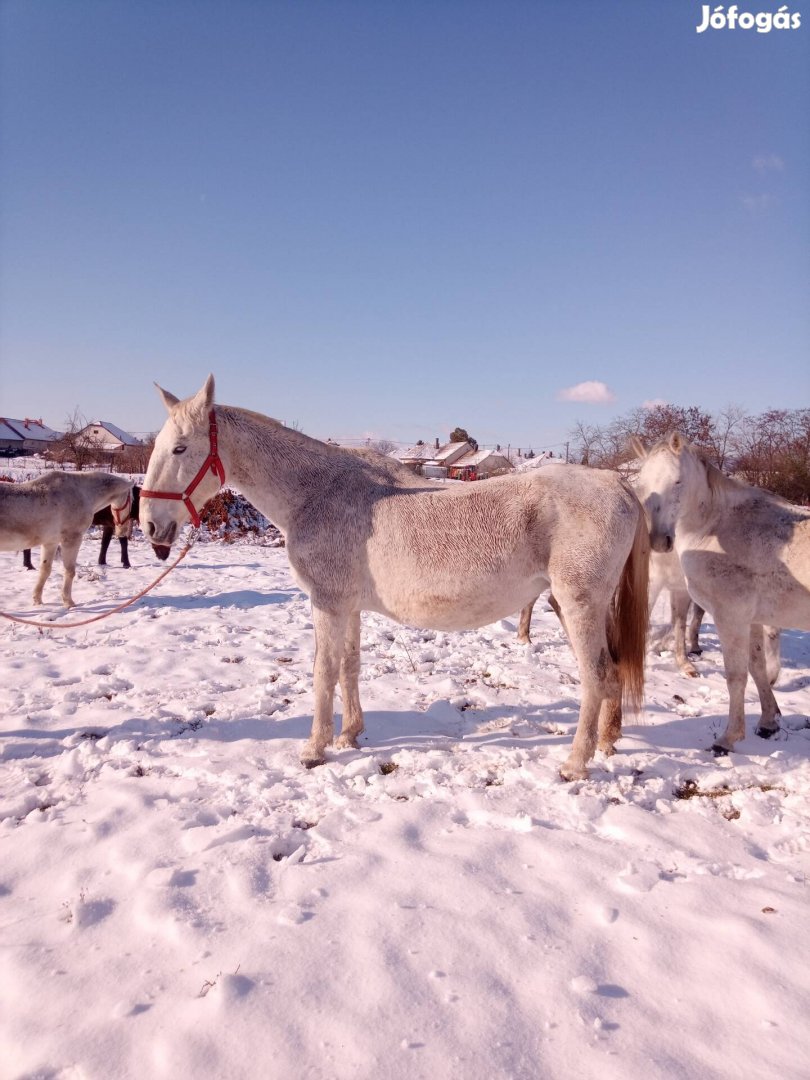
x=758, y=665
x=46, y=557
x=773, y=652
x=125, y=553
x=330, y=636
x=350, y=686
x=734, y=640
x=70, y=553
x=106, y=536
x=679, y=603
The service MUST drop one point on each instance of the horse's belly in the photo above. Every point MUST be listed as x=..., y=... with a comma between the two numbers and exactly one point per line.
x=454, y=607
x=12, y=539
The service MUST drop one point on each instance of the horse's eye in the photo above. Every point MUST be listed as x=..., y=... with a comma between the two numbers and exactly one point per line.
x=179, y=450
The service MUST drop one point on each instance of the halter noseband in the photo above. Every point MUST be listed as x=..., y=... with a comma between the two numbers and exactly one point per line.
x=212, y=462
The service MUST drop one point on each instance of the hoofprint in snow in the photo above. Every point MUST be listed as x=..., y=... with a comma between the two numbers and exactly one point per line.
x=179, y=897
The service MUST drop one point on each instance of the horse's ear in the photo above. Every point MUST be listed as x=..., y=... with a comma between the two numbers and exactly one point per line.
x=676, y=442
x=203, y=400
x=638, y=447
x=169, y=400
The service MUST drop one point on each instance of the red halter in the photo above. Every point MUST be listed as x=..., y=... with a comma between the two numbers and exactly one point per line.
x=212, y=462
x=122, y=513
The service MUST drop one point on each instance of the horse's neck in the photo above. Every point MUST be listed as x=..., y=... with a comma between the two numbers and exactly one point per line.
x=706, y=504
x=274, y=467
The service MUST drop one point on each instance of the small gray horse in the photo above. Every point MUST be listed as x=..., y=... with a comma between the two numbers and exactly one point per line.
x=745, y=554
x=451, y=559
x=55, y=510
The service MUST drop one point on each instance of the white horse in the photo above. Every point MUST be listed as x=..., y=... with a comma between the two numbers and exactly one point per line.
x=464, y=556
x=746, y=557
x=56, y=510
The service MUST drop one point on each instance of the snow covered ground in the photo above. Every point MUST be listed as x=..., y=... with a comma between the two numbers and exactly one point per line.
x=179, y=898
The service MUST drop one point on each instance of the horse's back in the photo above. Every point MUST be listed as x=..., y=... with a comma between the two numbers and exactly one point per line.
x=51, y=507
x=463, y=555
x=755, y=559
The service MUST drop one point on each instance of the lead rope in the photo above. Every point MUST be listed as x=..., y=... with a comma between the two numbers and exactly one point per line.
x=112, y=611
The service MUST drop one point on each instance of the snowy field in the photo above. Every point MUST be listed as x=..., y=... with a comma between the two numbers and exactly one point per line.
x=179, y=898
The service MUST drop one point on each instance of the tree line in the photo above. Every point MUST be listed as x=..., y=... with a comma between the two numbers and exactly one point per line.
x=770, y=449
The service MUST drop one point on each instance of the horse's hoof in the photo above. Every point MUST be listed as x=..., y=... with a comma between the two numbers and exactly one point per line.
x=720, y=751
x=572, y=772
x=311, y=757
x=346, y=742
x=766, y=732
x=689, y=671
x=695, y=652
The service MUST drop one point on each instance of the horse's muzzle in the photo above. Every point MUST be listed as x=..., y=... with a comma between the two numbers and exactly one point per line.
x=162, y=551
x=661, y=542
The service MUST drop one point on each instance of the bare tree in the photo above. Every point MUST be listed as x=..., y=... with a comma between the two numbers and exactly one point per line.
x=74, y=447
x=383, y=446
x=773, y=451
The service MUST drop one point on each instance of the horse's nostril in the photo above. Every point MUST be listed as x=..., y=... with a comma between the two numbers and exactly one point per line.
x=150, y=528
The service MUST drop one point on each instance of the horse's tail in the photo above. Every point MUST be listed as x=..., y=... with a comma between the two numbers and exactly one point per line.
x=627, y=628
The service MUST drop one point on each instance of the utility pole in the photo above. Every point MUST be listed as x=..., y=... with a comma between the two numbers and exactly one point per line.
x=566, y=453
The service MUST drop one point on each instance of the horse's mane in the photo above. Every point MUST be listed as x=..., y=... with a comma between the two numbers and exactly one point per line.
x=373, y=465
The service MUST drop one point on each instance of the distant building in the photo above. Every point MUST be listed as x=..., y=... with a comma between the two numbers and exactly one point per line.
x=107, y=437
x=479, y=465
x=432, y=460
x=25, y=436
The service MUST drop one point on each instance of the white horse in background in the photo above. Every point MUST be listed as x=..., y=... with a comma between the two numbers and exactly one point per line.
x=745, y=554
x=450, y=559
x=55, y=510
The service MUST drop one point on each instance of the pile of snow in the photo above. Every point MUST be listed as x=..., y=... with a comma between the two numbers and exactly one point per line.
x=180, y=898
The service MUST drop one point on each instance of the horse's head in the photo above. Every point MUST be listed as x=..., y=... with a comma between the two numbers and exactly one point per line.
x=125, y=513
x=184, y=469
x=660, y=487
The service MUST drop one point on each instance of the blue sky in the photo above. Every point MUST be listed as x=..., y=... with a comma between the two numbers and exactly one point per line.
x=393, y=217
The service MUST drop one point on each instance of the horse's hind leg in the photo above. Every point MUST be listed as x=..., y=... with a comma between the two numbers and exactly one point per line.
x=758, y=664
x=585, y=626
x=46, y=557
x=524, y=626
x=27, y=559
x=679, y=602
x=610, y=725
x=125, y=553
x=330, y=635
x=349, y=686
x=693, y=638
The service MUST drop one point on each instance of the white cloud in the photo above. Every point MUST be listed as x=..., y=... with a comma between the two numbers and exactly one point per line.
x=768, y=163
x=757, y=204
x=653, y=403
x=592, y=392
